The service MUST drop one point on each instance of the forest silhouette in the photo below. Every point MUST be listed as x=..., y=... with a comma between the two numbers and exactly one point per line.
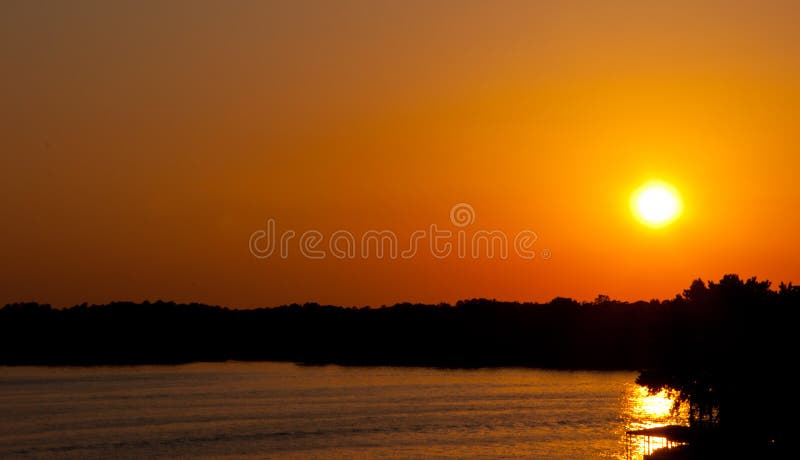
x=709, y=325
x=726, y=349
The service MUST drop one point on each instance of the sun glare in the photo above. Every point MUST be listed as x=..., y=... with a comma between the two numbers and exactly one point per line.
x=654, y=406
x=656, y=204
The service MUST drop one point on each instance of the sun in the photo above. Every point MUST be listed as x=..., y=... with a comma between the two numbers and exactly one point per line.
x=656, y=204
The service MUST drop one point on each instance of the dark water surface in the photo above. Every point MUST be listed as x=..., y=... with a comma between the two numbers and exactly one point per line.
x=284, y=411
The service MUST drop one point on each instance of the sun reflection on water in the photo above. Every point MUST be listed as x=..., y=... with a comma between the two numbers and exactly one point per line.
x=642, y=410
x=653, y=406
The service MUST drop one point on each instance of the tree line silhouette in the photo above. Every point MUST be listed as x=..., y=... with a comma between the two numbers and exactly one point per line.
x=705, y=327
x=726, y=349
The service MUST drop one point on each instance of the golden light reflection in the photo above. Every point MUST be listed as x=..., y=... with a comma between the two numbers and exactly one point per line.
x=643, y=410
x=656, y=406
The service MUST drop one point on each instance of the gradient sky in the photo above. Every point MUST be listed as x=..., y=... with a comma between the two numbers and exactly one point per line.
x=144, y=142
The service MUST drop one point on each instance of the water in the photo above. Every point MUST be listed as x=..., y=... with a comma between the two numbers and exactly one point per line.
x=283, y=411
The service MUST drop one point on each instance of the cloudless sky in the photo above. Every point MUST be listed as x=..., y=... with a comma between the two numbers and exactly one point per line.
x=142, y=143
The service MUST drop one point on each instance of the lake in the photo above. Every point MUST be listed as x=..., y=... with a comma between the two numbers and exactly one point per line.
x=248, y=410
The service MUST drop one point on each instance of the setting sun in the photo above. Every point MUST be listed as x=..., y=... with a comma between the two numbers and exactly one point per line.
x=656, y=204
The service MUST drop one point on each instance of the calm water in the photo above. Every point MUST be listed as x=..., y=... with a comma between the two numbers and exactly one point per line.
x=278, y=410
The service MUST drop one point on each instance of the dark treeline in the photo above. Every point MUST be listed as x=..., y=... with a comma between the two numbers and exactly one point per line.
x=706, y=325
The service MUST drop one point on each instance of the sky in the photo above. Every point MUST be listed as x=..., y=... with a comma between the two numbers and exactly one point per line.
x=144, y=146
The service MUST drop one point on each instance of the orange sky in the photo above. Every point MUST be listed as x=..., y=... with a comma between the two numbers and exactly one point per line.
x=142, y=145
